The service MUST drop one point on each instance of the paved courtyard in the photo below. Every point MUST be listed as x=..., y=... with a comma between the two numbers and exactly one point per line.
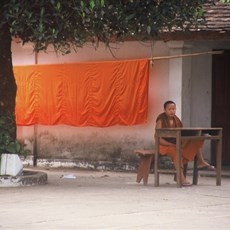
x=78, y=199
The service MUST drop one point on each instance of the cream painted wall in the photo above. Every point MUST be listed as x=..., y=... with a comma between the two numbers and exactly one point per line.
x=201, y=86
x=187, y=81
x=92, y=143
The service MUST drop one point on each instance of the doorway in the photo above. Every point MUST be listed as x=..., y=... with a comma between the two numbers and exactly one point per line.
x=221, y=101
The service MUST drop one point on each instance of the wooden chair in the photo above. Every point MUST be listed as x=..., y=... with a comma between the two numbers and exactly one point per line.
x=146, y=158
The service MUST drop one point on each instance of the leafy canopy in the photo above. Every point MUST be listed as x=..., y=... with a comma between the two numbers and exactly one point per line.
x=225, y=1
x=69, y=24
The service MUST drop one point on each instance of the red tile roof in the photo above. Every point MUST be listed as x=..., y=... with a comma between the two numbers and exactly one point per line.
x=215, y=27
x=217, y=16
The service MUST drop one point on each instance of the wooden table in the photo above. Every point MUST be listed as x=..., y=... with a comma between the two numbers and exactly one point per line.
x=213, y=134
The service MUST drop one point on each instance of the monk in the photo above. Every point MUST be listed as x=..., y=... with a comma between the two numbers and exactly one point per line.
x=190, y=148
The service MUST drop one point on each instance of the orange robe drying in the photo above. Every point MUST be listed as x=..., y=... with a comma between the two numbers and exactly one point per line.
x=99, y=94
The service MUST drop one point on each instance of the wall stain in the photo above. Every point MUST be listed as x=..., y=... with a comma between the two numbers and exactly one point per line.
x=95, y=148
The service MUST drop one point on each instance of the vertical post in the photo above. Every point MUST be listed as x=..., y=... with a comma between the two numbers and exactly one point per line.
x=156, y=174
x=35, y=153
x=176, y=72
x=36, y=57
x=178, y=152
x=218, y=157
x=195, y=171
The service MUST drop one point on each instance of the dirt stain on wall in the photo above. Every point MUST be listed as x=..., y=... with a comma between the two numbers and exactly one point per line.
x=94, y=147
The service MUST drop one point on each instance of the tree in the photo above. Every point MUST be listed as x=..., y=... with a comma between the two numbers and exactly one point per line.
x=67, y=25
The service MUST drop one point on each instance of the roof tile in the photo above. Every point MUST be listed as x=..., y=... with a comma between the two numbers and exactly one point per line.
x=217, y=17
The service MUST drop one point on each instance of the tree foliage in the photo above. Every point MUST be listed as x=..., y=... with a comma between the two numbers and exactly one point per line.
x=66, y=24
x=225, y=1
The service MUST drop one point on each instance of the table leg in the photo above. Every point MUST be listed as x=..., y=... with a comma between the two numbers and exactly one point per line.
x=178, y=151
x=156, y=174
x=218, y=161
x=195, y=172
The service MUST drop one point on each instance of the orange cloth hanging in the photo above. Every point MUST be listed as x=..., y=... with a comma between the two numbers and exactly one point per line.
x=83, y=94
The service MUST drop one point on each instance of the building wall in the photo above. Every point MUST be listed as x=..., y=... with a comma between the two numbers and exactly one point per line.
x=91, y=143
x=187, y=81
x=201, y=94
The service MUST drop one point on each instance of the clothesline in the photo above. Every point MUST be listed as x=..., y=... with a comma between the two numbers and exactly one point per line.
x=185, y=55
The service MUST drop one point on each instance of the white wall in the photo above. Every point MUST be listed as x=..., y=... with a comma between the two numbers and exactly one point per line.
x=201, y=96
x=187, y=81
x=92, y=142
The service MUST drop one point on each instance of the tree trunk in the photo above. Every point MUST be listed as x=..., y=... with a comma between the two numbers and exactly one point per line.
x=8, y=87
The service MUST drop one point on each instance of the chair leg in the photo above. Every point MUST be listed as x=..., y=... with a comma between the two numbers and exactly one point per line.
x=144, y=169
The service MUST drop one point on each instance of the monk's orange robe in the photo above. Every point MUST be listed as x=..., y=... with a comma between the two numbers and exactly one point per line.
x=189, y=147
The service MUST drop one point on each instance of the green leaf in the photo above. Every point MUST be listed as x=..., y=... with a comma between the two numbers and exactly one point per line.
x=92, y=4
x=42, y=11
x=148, y=29
x=58, y=5
x=131, y=16
x=11, y=148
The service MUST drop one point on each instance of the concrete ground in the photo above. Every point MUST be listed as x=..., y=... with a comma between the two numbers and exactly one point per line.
x=76, y=199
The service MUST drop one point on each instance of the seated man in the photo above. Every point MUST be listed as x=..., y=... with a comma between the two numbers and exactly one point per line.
x=190, y=148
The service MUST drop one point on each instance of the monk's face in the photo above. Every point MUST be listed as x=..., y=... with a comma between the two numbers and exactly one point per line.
x=170, y=110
